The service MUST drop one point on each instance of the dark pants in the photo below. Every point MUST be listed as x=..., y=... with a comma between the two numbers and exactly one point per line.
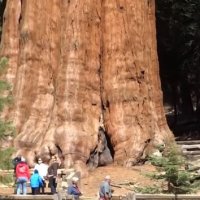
x=42, y=187
x=35, y=191
x=52, y=184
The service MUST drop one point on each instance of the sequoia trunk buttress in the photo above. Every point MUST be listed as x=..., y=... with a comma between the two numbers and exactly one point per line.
x=72, y=62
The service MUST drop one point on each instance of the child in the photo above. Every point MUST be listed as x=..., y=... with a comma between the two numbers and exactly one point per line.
x=35, y=182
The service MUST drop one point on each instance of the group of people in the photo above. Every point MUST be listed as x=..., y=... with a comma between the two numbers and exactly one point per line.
x=42, y=172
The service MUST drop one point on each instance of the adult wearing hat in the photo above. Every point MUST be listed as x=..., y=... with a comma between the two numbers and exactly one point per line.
x=73, y=189
x=22, y=176
x=105, y=189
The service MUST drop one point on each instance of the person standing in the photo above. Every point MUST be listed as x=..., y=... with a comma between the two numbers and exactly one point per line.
x=105, y=189
x=42, y=170
x=15, y=161
x=73, y=189
x=22, y=176
x=52, y=174
x=36, y=182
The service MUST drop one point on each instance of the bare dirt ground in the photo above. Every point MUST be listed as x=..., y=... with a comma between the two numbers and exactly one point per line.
x=119, y=175
x=89, y=186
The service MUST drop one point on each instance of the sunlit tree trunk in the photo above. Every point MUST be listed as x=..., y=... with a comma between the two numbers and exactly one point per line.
x=72, y=62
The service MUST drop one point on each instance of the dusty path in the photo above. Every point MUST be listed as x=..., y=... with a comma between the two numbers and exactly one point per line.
x=118, y=175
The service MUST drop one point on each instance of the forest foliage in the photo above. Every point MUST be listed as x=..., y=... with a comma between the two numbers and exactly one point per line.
x=172, y=170
x=172, y=175
x=178, y=37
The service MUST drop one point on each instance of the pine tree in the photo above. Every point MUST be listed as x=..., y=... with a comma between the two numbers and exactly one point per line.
x=6, y=127
x=172, y=169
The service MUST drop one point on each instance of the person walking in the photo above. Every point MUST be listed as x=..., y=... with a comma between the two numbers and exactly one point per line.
x=52, y=174
x=105, y=189
x=73, y=189
x=22, y=176
x=36, y=182
x=42, y=170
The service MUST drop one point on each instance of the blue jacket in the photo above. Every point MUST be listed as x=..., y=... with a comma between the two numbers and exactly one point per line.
x=105, y=189
x=36, y=181
x=74, y=190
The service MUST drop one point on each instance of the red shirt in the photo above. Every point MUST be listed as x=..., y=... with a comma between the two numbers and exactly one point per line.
x=22, y=170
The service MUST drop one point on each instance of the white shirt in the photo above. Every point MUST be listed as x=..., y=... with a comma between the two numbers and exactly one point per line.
x=42, y=169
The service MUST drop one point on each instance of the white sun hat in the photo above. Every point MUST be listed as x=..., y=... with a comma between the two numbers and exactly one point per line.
x=75, y=179
x=23, y=159
x=107, y=177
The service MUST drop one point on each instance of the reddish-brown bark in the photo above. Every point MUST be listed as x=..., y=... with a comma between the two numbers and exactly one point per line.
x=72, y=62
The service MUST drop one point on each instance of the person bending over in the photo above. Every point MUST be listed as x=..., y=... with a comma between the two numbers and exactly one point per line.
x=105, y=189
x=73, y=189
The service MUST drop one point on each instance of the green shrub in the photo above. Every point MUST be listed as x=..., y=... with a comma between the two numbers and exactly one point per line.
x=6, y=127
x=148, y=189
x=172, y=169
x=5, y=158
x=6, y=179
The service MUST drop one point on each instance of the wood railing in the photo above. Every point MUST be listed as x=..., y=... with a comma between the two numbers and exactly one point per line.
x=130, y=196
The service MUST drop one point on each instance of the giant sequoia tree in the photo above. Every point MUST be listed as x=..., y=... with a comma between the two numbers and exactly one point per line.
x=76, y=65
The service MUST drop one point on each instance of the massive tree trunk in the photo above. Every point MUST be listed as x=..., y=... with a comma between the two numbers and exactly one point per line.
x=72, y=62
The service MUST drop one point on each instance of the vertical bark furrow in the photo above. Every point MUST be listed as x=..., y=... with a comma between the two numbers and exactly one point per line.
x=10, y=37
x=127, y=78
x=35, y=85
x=78, y=88
x=161, y=129
x=10, y=45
